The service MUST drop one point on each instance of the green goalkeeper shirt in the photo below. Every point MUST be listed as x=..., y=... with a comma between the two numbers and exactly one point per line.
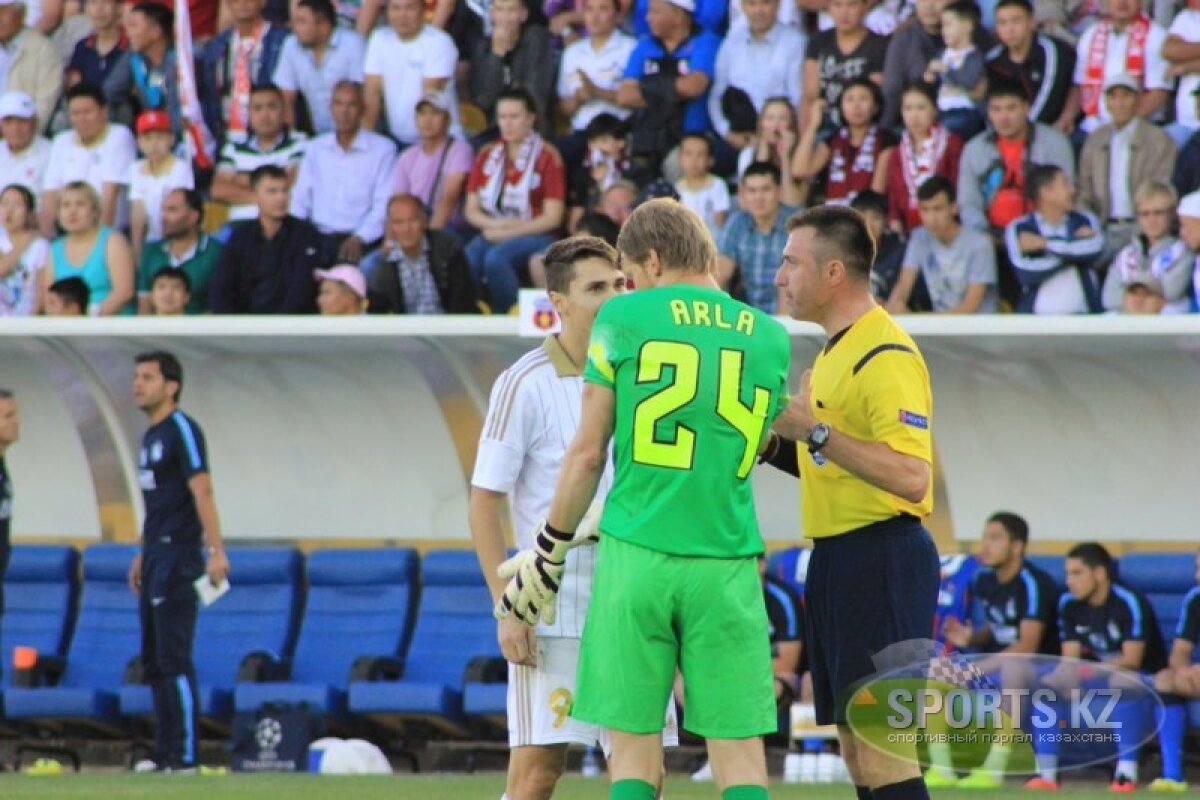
x=698, y=379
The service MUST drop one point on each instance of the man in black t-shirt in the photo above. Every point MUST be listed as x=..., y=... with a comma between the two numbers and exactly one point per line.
x=1018, y=601
x=1043, y=65
x=837, y=56
x=1019, y=605
x=1101, y=620
x=785, y=616
x=1177, y=684
x=181, y=521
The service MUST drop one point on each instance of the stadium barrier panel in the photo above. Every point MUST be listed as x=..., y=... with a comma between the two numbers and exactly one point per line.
x=340, y=429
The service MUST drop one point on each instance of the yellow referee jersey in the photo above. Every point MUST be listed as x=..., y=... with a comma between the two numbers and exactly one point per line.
x=870, y=382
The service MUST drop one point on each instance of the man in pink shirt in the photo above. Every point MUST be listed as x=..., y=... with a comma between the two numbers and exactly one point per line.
x=435, y=169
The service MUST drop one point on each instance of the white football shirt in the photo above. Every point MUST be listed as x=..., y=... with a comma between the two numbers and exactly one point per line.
x=532, y=417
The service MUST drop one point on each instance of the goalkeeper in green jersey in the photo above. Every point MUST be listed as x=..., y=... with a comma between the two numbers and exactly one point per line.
x=686, y=382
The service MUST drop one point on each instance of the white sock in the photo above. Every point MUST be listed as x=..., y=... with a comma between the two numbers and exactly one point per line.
x=940, y=759
x=1128, y=769
x=1048, y=767
x=997, y=760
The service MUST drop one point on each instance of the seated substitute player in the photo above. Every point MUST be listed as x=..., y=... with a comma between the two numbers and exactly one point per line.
x=858, y=434
x=1180, y=681
x=532, y=415
x=954, y=593
x=1101, y=620
x=671, y=381
x=1018, y=603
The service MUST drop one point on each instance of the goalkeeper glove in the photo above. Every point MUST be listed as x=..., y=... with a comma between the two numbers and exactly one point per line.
x=535, y=575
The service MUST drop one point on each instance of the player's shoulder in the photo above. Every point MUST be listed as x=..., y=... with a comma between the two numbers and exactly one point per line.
x=882, y=338
x=1040, y=575
x=183, y=426
x=985, y=578
x=1131, y=598
x=1067, y=602
x=524, y=374
x=1191, y=601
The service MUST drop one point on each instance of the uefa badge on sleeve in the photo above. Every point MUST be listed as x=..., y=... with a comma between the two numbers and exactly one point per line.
x=536, y=313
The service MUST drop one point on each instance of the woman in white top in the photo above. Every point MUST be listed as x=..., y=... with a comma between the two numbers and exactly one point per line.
x=22, y=252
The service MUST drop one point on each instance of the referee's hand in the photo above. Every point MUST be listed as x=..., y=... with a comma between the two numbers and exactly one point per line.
x=797, y=419
x=135, y=574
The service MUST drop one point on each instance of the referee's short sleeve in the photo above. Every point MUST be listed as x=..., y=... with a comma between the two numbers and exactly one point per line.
x=507, y=431
x=899, y=401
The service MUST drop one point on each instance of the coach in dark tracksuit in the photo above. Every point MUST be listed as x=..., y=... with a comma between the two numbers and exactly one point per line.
x=181, y=519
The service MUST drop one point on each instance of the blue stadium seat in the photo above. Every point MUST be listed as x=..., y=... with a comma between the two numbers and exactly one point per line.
x=259, y=614
x=41, y=589
x=454, y=627
x=486, y=700
x=107, y=636
x=790, y=566
x=1165, y=578
x=360, y=603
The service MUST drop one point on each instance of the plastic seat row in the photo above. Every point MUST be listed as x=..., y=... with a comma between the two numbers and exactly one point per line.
x=380, y=634
x=1165, y=578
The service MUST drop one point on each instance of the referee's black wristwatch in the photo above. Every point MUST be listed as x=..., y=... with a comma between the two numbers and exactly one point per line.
x=818, y=437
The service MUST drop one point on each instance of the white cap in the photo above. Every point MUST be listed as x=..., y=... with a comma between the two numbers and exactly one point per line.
x=1189, y=206
x=1147, y=280
x=1123, y=80
x=687, y=5
x=17, y=104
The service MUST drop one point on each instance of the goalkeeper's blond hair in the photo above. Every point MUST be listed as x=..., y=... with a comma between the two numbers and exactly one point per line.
x=674, y=232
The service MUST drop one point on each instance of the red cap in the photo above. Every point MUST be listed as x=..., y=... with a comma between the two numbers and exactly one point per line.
x=153, y=121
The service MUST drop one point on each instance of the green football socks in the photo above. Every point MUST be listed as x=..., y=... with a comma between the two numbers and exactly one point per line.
x=745, y=793
x=631, y=790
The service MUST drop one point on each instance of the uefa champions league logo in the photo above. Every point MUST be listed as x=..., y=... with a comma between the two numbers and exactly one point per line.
x=268, y=734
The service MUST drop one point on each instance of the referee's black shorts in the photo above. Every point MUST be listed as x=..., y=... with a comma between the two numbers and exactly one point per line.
x=865, y=590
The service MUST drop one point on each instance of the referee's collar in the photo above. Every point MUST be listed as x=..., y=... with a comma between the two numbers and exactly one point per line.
x=564, y=367
x=837, y=337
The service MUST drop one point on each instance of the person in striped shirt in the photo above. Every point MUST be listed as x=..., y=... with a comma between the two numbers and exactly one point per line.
x=268, y=141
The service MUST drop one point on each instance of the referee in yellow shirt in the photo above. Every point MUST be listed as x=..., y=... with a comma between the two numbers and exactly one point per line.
x=858, y=435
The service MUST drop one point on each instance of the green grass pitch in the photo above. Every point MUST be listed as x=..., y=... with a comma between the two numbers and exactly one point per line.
x=402, y=787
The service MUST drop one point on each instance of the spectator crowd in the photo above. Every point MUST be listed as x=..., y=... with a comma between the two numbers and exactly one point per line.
x=410, y=156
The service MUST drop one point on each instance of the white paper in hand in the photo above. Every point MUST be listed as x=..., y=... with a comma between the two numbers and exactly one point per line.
x=207, y=592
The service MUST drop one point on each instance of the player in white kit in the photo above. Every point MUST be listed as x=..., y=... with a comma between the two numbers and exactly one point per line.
x=532, y=417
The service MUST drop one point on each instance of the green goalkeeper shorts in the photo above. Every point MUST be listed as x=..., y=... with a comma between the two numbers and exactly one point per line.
x=651, y=611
